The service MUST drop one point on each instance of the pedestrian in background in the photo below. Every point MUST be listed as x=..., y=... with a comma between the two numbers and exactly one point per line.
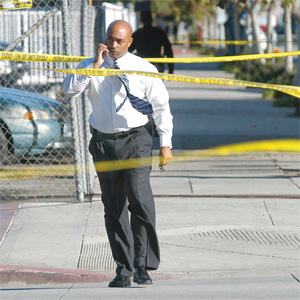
x=152, y=42
x=119, y=126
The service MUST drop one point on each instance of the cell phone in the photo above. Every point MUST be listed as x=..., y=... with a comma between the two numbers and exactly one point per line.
x=106, y=53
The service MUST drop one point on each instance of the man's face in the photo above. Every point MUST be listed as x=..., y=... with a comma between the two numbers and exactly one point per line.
x=118, y=40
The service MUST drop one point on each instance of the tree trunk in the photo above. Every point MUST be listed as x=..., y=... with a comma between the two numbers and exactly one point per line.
x=251, y=6
x=236, y=26
x=205, y=29
x=270, y=47
x=288, y=37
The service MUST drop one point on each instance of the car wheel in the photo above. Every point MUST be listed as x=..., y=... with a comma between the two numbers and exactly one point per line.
x=4, y=150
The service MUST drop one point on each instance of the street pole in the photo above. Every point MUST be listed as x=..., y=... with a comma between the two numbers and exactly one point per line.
x=298, y=64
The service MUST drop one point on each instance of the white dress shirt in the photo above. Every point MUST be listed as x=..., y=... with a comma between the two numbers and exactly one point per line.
x=106, y=93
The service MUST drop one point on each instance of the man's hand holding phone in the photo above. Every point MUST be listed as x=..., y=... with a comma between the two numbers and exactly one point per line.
x=102, y=51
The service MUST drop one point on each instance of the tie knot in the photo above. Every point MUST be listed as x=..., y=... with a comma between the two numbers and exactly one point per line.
x=116, y=65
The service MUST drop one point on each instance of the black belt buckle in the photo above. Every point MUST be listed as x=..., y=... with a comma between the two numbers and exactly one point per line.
x=127, y=133
x=120, y=135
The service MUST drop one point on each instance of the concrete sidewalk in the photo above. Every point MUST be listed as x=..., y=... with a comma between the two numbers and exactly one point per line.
x=260, y=286
x=225, y=216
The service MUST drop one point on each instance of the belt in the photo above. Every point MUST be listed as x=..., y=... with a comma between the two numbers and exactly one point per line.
x=118, y=135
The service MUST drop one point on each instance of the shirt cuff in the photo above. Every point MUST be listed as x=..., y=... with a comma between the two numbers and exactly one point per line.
x=165, y=141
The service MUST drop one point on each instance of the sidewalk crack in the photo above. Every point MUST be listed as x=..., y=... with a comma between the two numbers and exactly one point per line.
x=270, y=216
x=10, y=224
x=295, y=278
x=190, y=183
x=66, y=292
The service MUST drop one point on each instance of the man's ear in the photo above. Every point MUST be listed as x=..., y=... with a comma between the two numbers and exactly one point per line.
x=130, y=42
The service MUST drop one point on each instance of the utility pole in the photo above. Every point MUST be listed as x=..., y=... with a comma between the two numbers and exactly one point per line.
x=298, y=64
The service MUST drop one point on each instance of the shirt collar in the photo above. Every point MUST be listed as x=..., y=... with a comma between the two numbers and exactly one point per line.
x=122, y=58
x=110, y=61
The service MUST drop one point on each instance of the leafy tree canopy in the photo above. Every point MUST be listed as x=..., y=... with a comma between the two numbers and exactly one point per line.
x=186, y=10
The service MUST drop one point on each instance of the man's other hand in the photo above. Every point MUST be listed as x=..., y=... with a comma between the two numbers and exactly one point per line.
x=165, y=155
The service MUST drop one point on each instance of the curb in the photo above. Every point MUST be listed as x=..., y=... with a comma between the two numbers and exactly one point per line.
x=38, y=275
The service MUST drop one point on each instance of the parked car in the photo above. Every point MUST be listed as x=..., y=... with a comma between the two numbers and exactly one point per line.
x=32, y=124
x=11, y=71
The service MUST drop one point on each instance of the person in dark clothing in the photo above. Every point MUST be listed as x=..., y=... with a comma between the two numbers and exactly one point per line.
x=149, y=41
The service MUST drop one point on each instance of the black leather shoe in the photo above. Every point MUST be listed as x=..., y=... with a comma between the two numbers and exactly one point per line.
x=141, y=276
x=120, y=281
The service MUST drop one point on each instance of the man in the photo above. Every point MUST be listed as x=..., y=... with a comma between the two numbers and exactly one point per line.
x=119, y=121
x=149, y=40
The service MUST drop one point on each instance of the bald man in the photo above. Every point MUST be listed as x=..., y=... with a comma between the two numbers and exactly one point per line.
x=120, y=131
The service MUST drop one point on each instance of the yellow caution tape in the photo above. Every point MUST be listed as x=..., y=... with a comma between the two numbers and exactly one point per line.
x=294, y=91
x=216, y=42
x=291, y=145
x=288, y=145
x=223, y=58
x=15, y=4
x=291, y=90
x=37, y=172
x=21, y=56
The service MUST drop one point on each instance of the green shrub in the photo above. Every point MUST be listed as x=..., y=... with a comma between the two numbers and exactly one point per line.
x=284, y=101
x=229, y=67
x=206, y=50
x=269, y=94
x=288, y=101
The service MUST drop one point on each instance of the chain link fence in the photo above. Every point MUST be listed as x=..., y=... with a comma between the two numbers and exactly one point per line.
x=44, y=136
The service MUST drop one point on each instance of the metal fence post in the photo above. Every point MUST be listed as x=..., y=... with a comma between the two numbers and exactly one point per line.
x=77, y=156
x=85, y=43
x=74, y=111
x=67, y=41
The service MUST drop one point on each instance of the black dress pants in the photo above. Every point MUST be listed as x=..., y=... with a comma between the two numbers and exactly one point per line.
x=133, y=242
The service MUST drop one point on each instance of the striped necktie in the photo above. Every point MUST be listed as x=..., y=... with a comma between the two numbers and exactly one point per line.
x=140, y=105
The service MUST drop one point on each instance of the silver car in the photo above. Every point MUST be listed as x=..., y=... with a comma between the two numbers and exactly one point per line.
x=32, y=124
